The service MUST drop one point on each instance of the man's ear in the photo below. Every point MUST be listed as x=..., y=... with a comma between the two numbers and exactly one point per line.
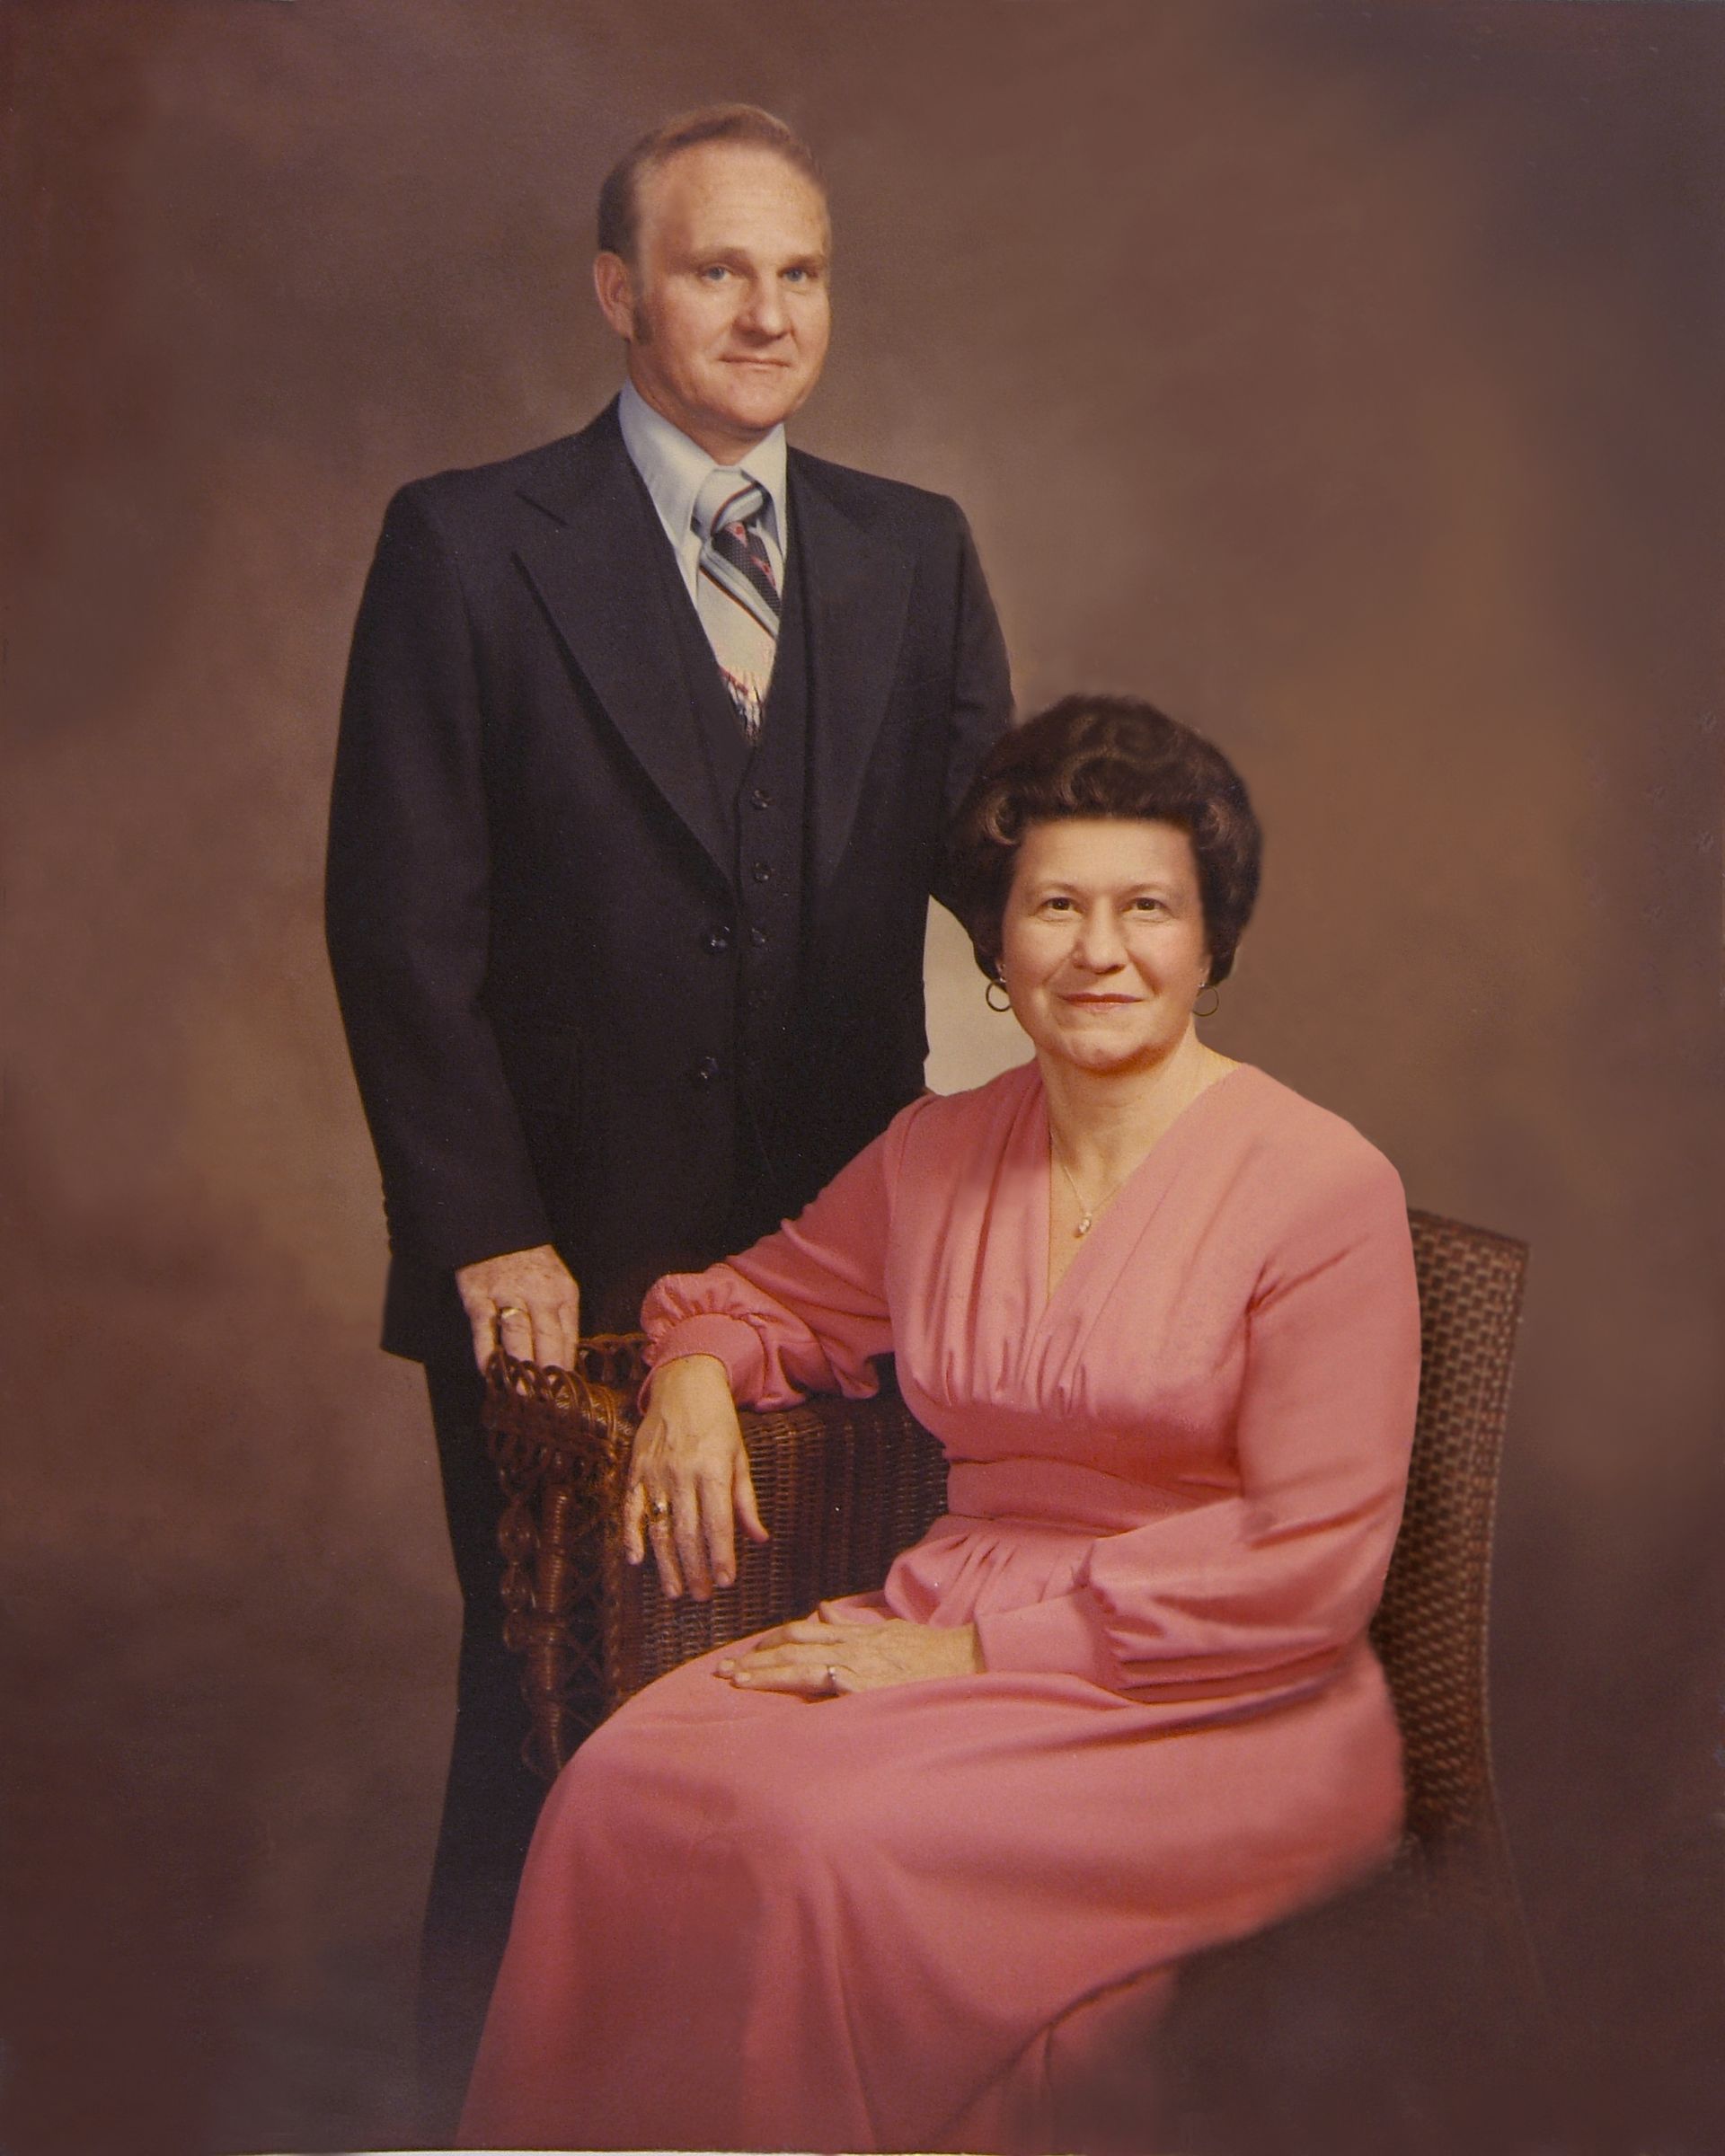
x=615, y=290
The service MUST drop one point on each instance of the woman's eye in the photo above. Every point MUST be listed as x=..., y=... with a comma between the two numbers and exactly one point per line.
x=1148, y=905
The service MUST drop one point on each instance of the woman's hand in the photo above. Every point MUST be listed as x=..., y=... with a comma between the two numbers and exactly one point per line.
x=822, y=1656
x=688, y=1477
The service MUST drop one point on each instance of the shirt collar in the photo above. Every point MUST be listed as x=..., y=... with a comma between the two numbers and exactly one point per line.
x=676, y=469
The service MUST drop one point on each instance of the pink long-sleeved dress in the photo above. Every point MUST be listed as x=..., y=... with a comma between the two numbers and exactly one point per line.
x=885, y=1920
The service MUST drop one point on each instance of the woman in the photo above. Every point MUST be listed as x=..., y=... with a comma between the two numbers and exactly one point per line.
x=876, y=1880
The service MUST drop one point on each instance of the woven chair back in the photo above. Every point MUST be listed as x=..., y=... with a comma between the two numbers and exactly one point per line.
x=1430, y=1630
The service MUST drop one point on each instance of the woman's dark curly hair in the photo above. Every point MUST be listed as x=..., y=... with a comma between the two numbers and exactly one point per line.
x=1113, y=756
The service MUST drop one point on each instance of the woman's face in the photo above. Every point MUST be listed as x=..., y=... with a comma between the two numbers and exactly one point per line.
x=1103, y=948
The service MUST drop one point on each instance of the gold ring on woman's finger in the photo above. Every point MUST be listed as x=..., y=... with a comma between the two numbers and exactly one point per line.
x=510, y=1309
x=660, y=1508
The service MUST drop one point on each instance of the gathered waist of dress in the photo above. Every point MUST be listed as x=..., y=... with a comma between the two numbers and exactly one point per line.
x=1063, y=1494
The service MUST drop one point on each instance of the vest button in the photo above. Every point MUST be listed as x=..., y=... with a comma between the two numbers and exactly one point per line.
x=760, y=797
x=758, y=939
x=719, y=939
x=705, y=1071
x=761, y=872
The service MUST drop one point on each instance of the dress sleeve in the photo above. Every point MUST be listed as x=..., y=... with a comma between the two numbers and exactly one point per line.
x=804, y=1310
x=1268, y=1582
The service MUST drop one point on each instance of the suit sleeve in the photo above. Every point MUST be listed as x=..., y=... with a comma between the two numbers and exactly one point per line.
x=982, y=686
x=1260, y=1589
x=804, y=1310
x=407, y=911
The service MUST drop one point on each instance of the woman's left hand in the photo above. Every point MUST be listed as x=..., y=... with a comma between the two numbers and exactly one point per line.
x=824, y=1657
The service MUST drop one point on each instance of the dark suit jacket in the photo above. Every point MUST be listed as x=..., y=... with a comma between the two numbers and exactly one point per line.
x=530, y=886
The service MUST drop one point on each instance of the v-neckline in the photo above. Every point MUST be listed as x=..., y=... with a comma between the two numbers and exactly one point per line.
x=1116, y=1205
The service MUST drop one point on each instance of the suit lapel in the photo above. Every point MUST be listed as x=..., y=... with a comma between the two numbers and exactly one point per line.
x=599, y=573
x=857, y=590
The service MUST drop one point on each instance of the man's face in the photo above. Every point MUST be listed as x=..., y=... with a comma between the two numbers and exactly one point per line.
x=726, y=309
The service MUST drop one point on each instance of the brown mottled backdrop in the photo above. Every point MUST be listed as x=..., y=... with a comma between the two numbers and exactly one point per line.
x=1346, y=376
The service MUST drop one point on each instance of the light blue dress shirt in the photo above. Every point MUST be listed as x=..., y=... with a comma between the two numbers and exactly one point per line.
x=676, y=469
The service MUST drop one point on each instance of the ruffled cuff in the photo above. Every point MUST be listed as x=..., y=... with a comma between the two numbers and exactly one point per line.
x=1062, y=1637
x=733, y=1340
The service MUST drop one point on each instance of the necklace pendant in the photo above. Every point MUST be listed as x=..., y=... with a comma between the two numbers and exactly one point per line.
x=1083, y=1226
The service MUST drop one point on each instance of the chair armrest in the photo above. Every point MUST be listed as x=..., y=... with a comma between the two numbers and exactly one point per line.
x=843, y=1485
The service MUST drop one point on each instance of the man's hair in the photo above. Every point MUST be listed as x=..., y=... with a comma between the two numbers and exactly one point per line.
x=620, y=192
x=1114, y=757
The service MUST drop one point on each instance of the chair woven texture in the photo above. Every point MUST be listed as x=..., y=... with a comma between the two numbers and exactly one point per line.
x=1431, y=1630
x=845, y=1485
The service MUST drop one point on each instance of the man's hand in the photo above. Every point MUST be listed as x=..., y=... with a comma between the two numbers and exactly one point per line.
x=529, y=1300
x=824, y=1657
x=689, y=1479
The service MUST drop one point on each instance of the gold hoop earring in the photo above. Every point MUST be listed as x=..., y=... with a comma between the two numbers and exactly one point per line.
x=1215, y=1007
x=994, y=982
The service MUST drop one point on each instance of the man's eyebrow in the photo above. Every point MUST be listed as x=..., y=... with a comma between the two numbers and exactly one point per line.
x=726, y=252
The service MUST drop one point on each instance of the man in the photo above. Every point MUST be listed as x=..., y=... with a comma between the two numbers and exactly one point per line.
x=647, y=744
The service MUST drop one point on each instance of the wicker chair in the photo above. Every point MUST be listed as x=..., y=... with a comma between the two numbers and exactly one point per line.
x=845, y=1485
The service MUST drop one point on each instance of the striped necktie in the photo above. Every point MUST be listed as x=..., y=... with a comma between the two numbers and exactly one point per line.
x=735, y=594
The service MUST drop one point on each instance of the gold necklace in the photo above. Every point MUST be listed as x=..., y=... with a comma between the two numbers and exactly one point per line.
x=1086, y=1214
